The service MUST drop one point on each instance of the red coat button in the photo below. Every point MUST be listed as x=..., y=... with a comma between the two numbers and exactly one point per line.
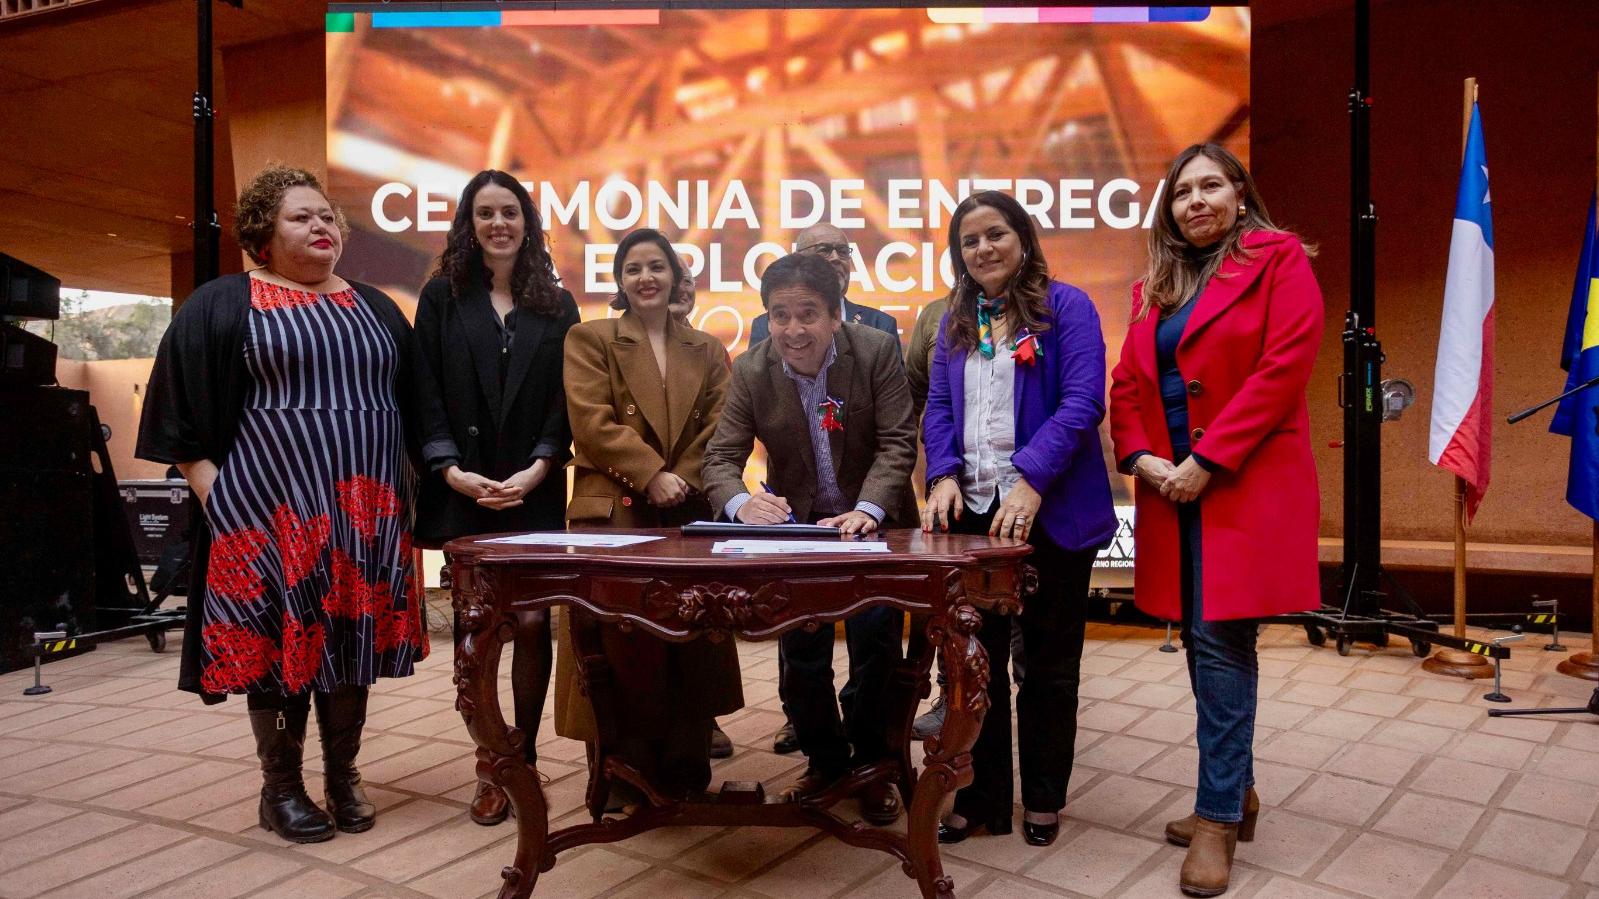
x=627, y=500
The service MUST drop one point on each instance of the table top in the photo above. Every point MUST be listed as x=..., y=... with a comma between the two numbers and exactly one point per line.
x=676, y=552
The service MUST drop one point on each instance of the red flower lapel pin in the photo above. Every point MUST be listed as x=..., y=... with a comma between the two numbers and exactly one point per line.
x=1027, y=349
x=832, y=413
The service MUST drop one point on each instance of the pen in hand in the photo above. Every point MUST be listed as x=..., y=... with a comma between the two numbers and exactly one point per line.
x=791, y=519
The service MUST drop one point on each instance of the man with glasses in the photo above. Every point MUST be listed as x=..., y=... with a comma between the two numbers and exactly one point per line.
x=828, y=242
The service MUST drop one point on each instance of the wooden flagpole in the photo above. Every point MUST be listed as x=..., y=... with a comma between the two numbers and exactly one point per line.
x=1454, y=662
x=1586, y=664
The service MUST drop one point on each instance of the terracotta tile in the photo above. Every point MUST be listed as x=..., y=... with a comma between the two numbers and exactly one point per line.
x=33, y=715
x=394, y=825
x=1180, y=766
x=1105, y=687
x=1156, y=696
x=667, y=843
x=192, y=776
x=1478, y=879
x=69, y=767
x=1411, y=736
x=1445, y=714
x=1377, y=682
x=1301, y=749
x=1121, y=754
x=1382, y=764
x=67, y=727
x=1340, y=724
x=1284, y=888
x=742, y=851
x=1460, y=780
x=1280, y=715
x=1546, y=797
x=1322, y=695
x=1368, y=702
x=112, y=779
x=1581, y=733
x=1383, y=868
x=151, y=870
x=115, y=731
x=1485, y=749
x=1521, y=728
x=404, y=764
x=311, y=884
x=36, y=756
x=1570, y=764
x=1429, y=819
x=893, y=883
x=661, y=883
x=1112, y=717
x=1311, y=673
x=822, y=868
x=1117, y=801
x=1340, y=799
x=28, y=841
x=1530, y=842
x=1165, y=726
x=1274, y=783
x=1101, y=665
x=1093, y=862
x=74, y=864
x=232, y=878
x=1446, y=689
x=419, y=854
x=1007, y=888
x=204, y=800
x=1288, y=843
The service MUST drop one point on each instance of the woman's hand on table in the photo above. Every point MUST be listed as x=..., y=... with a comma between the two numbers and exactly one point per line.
x=943, y=505
x=1017, y=512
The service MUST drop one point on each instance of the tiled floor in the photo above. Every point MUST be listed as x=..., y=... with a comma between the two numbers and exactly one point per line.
x=1378, y=780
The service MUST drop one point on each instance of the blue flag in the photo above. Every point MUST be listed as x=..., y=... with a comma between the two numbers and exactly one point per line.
x=1578, y=415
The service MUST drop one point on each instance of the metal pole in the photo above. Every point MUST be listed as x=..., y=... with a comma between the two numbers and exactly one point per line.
x=206, y=227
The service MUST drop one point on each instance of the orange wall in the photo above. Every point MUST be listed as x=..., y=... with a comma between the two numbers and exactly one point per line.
x=1537, y=69
x=116, y=388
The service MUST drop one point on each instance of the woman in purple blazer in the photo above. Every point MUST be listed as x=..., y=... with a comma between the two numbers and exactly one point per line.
x=1016, y=395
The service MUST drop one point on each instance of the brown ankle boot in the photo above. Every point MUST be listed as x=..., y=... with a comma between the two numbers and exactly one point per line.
x=1181, y=831
x=1209, y=864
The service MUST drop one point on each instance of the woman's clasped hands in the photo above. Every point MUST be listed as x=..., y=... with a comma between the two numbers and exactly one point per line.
x=1179, y=483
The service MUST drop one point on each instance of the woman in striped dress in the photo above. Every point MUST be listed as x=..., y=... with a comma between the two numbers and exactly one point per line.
x=277, y=394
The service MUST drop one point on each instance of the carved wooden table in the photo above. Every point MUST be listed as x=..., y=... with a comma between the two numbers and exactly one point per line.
x=676, y=589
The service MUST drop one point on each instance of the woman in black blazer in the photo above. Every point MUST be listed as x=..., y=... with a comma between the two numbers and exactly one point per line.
x=490, y=329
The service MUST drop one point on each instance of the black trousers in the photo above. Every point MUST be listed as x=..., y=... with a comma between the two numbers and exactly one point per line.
x=806, y=687
x=1052, y=623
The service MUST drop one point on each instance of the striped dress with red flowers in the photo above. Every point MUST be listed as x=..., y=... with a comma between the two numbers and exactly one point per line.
x=311, y=583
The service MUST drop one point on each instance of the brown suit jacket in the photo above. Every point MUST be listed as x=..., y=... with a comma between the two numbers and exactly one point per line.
x=872, y=457
x=627, y=426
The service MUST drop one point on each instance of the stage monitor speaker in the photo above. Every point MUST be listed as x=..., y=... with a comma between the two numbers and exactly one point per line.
x=26, y=292
x=44, y=428
x=26, y=359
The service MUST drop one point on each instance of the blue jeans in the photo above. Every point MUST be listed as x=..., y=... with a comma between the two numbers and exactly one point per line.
x=1224, y=672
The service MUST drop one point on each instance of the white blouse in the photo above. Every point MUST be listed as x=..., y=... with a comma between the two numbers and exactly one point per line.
x=989, y=430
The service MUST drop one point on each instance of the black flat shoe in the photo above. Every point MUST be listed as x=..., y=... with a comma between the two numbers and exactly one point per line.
x=948, y=833
x=1040, y=834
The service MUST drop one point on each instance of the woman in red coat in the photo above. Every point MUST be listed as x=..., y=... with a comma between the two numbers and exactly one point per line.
x=1208, y=411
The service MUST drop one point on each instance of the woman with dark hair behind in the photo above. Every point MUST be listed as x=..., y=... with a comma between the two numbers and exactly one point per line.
x=1208, y=411
x=644, y=391
x=490, y=329
x=281, y=395
x=1014, y=402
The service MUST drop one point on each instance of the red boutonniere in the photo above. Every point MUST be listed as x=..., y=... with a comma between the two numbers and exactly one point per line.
x=1027, y=350
x=832, y=413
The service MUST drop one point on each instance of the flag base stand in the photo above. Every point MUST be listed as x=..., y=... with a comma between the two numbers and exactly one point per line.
x=1455, y=663
x=1580, y=664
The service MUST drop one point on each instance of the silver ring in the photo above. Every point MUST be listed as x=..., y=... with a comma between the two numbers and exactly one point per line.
x=1021, y=518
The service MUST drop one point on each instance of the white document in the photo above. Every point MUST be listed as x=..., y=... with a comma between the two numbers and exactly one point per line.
x=588, y=541
x=788, y=547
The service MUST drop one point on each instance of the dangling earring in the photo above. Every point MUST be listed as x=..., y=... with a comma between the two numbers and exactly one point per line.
x=1241, y=209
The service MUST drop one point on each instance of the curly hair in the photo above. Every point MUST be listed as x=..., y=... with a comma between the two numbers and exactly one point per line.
x=533, y=283
x=255, y=216
x=1028, y=290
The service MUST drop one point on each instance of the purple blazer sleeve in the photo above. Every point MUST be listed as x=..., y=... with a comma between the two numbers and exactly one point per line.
x=940, y=435
x=1078, y=344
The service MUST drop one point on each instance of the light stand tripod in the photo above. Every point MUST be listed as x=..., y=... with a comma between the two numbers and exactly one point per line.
x=1591, y=708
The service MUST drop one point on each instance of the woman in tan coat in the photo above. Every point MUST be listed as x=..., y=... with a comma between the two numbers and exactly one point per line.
x=643, y=393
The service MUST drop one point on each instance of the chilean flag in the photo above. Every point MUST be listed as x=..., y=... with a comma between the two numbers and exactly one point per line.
x=1462, y=403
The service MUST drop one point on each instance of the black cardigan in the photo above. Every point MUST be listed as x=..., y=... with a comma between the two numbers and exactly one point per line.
x=467, y=416
x=195, y=401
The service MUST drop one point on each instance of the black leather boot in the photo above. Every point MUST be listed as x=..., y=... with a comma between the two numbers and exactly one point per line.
x=340, y=715
x=286, y=810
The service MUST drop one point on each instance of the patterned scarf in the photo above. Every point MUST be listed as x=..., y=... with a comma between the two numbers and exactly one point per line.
x=987, y=311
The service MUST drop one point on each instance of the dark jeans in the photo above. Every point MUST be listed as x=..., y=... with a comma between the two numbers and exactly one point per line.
x=805, y=673
x=1052, y=623
x=1224, y=672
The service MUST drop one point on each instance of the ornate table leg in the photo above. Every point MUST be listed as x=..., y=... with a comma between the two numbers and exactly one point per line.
x=484, y=630
x=948, y=763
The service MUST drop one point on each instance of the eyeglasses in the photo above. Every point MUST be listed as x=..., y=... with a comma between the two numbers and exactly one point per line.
x=841, y=250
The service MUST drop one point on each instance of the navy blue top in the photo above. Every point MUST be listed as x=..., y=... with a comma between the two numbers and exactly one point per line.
x=1173, y=389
